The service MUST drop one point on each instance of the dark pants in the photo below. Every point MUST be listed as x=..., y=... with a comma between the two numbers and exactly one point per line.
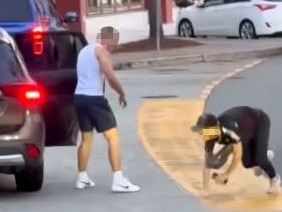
x=255, y=150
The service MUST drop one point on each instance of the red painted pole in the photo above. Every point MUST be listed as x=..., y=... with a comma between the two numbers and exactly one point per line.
x=77, y=6
x=166, y=9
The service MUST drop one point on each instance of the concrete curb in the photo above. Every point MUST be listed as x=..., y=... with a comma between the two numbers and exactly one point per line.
x=182, y=60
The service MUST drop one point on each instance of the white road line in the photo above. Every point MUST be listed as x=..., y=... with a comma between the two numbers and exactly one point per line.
x=212, y=85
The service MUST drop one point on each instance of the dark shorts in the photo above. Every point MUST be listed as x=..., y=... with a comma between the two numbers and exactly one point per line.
x=94, y=112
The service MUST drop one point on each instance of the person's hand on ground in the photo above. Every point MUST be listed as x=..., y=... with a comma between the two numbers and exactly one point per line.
x=221, y=178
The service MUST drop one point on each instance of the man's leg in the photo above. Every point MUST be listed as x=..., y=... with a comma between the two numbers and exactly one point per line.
x=120, y=183
x=260, y=153
x=113, y=149
x=105, y=122
x=257, y=170
x=83, y=154
x=84, y=149
x=85, y=144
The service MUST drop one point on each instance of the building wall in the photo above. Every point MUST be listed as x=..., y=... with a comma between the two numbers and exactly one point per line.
x=93, y=14
x=132, y=25
x=102, y=7
x=122, y=20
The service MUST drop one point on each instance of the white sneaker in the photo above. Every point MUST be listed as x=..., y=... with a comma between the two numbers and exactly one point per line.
x=125, y=186
x=81, y=184
x=275, y=184
x=257, y=170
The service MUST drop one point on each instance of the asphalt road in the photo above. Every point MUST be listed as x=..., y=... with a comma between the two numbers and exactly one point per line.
x=159, y=192
x=260, y=87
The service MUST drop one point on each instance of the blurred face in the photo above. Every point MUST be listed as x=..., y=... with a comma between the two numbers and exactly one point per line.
x=210, y=133
x=108, y=40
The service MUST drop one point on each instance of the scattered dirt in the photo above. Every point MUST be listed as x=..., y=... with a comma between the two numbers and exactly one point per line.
x=150, y=44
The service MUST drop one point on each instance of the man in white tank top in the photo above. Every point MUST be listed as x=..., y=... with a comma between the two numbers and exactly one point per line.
x=93, y=110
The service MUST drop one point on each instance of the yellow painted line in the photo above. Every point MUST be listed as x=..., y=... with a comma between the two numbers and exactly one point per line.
x=164, y=129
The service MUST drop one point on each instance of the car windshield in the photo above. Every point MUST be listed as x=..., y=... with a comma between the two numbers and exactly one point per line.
x=15, y=11
x=10, y=69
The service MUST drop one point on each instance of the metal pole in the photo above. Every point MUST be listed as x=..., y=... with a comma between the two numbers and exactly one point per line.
x=101, y=6
x=158, y=2
x=129, y=4
x=115, y=5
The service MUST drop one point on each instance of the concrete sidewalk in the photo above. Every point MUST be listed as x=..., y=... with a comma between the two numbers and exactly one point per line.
x=214, y=49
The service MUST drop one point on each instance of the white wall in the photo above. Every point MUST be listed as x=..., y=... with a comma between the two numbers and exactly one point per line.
x=106, y=1
x=132, y=25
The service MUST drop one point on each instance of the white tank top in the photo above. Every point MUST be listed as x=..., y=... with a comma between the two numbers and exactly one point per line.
x=89, y=75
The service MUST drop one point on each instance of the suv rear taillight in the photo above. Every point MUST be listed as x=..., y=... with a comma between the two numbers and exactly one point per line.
x=37, y=33
x=32, y=94
x=32, y=151
x=264, y=6
x=37, y=38
x=28, y=95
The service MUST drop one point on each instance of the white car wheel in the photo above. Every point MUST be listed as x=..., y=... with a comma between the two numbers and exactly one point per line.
x=247, y=30
x=185, y=29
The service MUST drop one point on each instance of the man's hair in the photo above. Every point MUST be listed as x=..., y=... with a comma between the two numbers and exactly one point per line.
x=107, y=31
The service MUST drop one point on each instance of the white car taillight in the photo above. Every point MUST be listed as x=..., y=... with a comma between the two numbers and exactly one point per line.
x=264, y=7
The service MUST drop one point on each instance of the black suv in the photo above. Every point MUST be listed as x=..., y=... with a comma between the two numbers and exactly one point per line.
x=50, y=51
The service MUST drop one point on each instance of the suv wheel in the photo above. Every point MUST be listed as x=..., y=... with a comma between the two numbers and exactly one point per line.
x=31, y=178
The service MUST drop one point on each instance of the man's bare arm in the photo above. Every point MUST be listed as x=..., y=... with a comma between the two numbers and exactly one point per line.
x=237, y=155
x=206, y=178
x=105, y=62
x=209, y=146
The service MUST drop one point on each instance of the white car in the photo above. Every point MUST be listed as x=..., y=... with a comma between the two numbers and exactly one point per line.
x=247, y=19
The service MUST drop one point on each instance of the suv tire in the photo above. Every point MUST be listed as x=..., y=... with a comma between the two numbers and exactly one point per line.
x=31, y=178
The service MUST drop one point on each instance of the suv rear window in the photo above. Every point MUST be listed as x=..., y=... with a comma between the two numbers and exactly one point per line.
x=15, y=11
x=10, y=69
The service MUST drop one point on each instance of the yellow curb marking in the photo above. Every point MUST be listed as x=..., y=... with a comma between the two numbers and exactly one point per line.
x=164, y=129
x=166, y=140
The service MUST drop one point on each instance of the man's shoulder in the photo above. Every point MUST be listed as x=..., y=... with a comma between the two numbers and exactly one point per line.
x=85, y=48
x=228, y=122
x=237, y=110
x=99, y=49
x=238, y=114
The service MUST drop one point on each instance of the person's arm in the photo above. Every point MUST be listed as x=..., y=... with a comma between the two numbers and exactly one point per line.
x=237, y=156
x=237, y=150
x=209, y=146
x=206, y=176
x=106, y=66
